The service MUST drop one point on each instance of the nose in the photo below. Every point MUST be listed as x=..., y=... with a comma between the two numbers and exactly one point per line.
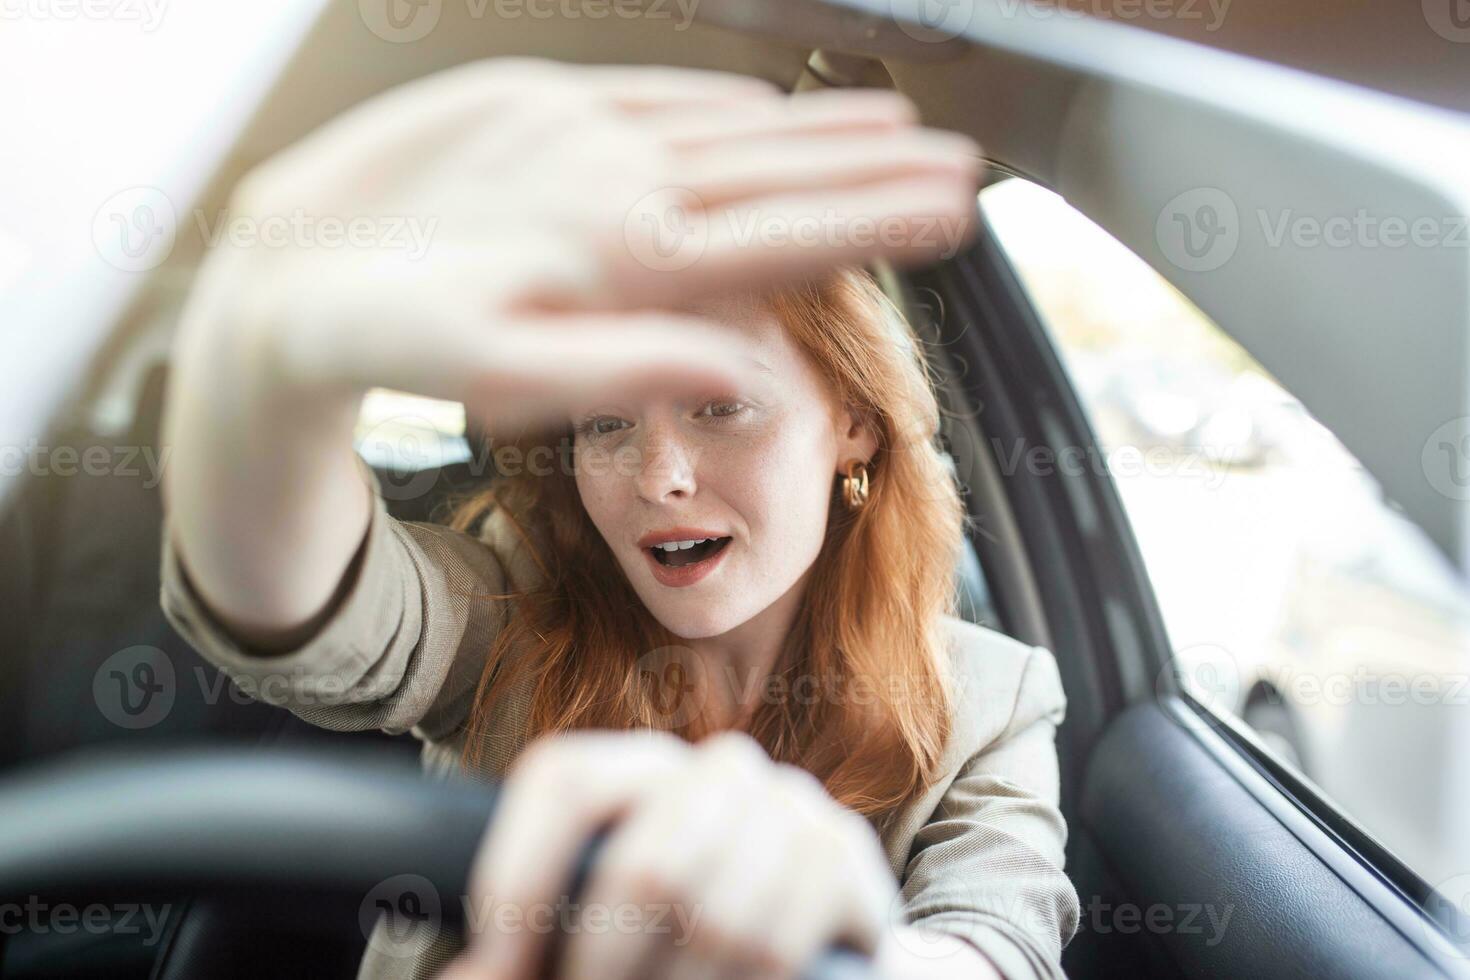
x=666, y=463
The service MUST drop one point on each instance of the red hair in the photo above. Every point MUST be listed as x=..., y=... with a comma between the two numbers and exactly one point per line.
x=867, y=636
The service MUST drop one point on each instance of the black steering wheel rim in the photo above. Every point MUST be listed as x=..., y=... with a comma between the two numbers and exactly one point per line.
x=347, y=825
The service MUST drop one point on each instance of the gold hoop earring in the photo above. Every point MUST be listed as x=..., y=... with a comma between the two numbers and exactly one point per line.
x=855, y=484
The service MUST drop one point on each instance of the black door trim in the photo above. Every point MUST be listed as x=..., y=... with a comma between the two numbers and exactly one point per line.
x=1109, y=637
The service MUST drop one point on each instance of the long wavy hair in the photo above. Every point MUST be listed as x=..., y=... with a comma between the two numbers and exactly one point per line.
x=868, y=632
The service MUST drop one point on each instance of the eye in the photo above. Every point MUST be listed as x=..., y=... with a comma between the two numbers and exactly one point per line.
x=720, y=410
x=594, y=426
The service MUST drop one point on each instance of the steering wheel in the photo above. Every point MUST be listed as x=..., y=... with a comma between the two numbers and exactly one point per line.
x=333, y=827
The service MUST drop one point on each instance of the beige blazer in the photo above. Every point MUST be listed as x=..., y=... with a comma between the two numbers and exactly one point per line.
x=980, y=855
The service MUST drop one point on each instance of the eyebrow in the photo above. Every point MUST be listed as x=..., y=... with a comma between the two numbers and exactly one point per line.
x=759, y=366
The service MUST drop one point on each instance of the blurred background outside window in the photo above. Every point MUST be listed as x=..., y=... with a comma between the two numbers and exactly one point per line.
x=1295, y=596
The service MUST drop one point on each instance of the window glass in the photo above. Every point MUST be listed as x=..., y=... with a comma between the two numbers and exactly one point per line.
x=1295, y=596
x=407, y=433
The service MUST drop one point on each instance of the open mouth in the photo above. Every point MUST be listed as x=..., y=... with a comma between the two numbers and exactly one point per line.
x=691, y=555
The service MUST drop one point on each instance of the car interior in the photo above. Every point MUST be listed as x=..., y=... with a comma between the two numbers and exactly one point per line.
x=1168, y=806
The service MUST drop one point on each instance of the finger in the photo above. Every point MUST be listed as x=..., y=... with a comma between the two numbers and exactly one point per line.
x=810, y=913
x=554, y=800
x=766, y=241
x=664, y=854
x=732, y=770
x=802, y=114
x=644, y=87
x=426, y=110
x=910, y=219
x=647, y=877
x=795, y=915
x=542, y=365
x=805, y=922
x=748, y=892
x=435, y=109
x=763, y=168
x=847, y=851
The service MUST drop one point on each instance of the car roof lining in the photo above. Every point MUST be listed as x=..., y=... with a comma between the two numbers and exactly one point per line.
x=1118, y=121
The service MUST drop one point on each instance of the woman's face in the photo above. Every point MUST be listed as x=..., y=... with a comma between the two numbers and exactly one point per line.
x=755, y=467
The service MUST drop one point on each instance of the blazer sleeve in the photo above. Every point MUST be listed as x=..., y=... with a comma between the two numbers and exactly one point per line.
x=403, y=649
x=988, y=866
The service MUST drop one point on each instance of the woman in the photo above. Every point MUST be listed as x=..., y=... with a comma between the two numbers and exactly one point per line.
x=708, y=603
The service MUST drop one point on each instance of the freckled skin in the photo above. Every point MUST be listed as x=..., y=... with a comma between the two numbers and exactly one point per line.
x=763, y=475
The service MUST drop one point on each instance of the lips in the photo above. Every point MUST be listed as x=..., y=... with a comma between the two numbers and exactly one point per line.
x=677, y=534
x=684, y=567
x=676, y=556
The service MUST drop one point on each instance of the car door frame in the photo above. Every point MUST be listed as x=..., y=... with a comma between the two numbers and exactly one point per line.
x=1071, y=576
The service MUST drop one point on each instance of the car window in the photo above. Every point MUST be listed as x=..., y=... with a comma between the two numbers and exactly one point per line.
x=1295, y=596
x=408, y=433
